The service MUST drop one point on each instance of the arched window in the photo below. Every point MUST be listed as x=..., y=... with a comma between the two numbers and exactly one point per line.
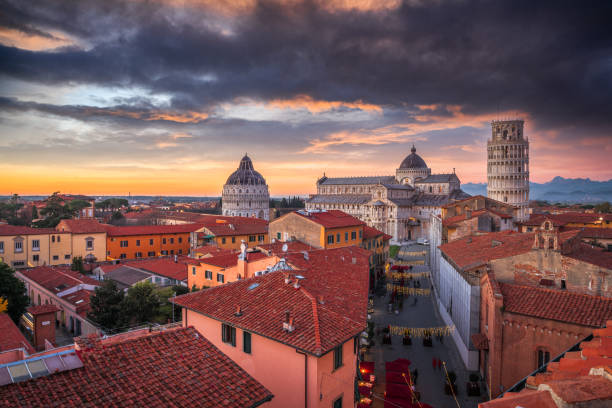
x=39, y=298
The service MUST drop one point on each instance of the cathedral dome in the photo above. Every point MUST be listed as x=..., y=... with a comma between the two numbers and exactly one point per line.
x=246, y=174
x=413, y=161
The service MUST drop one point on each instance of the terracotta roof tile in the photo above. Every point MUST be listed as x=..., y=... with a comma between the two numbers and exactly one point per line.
x=151, y=229
x=337, y=286
x=556, y=304
x=173, y=368
x=593, y=255
x=331, y=218
x=276, y=248
x=42, y=309
x=369, y=232
x=479, y=249
x=6, y=229
x=11, y=337
x=605, y=233
x=81, y=226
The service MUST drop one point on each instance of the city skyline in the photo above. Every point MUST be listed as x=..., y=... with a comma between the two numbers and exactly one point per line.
x=165, y=97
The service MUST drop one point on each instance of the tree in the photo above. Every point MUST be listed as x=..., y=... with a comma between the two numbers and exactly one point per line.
x=106, y=306
x=13, y=291
x=603, y=207
x=75, y=206
x=77, y=264
x=34, y=212
x=141, y=304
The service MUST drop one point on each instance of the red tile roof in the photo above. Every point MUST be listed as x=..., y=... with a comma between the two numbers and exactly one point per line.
x=42, y=309
x=369, y=232
x=328, y=308
x=478, y=249
x=6, y=229
x=11, y=337
x=330, y=218
x=605, y=233
x=163, y=267
x=567, y=218
x=81, y=226
x=556, y=304
x=593, y=255
x=578, y=379
x=151, y=229
x=173, y=368
x=228, y=260
x=276, y=248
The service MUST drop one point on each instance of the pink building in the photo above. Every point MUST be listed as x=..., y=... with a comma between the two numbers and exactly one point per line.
x=294, y=330
x=67, y=289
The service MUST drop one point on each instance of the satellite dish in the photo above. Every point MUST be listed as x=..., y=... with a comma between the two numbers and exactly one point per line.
x=285, y=247
x=273, y=240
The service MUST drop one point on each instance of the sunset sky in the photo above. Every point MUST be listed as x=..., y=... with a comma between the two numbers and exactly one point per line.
x=163, y=97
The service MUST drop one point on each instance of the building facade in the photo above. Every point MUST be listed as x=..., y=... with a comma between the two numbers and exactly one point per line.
x=399, y=205
x=245, y=192
x=508, y=165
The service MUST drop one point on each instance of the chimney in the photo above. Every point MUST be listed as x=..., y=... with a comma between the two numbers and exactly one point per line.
x=175, y=258
x=305, y=255
x=288, y=323
x=296, y=284
x=238, y=311
x=354, y=260
x=288, y=278
x=320, y=300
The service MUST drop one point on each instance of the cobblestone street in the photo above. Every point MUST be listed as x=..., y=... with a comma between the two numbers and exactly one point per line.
x=430, y=382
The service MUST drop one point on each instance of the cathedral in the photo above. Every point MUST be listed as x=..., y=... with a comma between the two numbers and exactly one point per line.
x=399, y=205
x=245, y=193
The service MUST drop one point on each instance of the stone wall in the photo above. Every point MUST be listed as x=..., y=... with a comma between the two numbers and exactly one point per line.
x=296, y=227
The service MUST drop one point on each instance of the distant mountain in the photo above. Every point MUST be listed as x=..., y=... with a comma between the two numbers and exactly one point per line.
x=559, y=189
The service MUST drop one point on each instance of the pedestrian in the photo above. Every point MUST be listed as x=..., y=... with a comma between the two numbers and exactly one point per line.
x=439, y=364
x=415, y=375
x=434, y=362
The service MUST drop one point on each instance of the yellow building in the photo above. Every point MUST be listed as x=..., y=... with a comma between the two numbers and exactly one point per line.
x=87, y=238
x=320, y=229
x=22, y=247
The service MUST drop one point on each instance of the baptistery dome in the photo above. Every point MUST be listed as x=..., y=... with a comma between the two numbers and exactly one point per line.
x=245, y=193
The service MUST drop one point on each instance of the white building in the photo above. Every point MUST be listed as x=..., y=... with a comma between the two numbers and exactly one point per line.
x=245, y=193
x=399, y=205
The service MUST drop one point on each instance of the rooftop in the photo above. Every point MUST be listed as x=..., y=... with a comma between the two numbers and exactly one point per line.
x=478, y=249
x=330, y=218
x=593, y=255
x=579, y=379
x=438, y=178
x=370, y=232
x=568, y=218
x=12, y=338
x=357, y=180
x=276, y=248
x=556, y=304
x=81, y=226
x=6, y=230
x=228, y=260
x=172, y=368
x=328, y=308
x=113, y=231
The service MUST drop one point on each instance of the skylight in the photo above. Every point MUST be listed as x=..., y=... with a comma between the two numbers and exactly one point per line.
x=253, y=286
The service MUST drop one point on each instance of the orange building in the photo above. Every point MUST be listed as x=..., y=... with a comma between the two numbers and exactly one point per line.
x=135, y=242
x=229, y=232
x=294, y=330
x=226, y=268
x=320, y=228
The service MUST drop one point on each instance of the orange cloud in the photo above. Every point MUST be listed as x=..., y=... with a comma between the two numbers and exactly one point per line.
x=33, y=42
x=318, y=106
x=179, y=117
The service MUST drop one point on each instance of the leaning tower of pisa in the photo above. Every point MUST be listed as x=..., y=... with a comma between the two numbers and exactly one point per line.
x=508, y=165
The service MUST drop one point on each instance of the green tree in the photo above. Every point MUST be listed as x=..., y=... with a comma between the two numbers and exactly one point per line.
x=77, y=264
x=34, y=212
x=117, y=216
x=75, y=206
x=603, y=207
x=141, y=304
x=106, y=306
x=13, y=291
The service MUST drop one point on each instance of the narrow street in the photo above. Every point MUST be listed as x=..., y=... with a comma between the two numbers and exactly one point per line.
x=430, y=381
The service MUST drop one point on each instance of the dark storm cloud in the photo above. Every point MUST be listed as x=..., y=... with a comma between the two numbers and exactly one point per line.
x=550, y=58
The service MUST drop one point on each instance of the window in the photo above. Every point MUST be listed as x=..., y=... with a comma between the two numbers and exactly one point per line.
x=338, y=403
x=246, y=342
x=223, y=240
x=330, y=239
x=233, y=240
x=52, y=238
x=67, y=256
x=151, y=242
x=1, y=247
x=208, y=275
x=163, y=240
x=180, y=251
x=138, y=255
x=278, y=236
x=151, y=253
x=353, y=235
x=543, y=357
x=260, y=238
x=563, y=284
x=164, y=252
x=123, y=256
x=18, y=246
x=55, y=257
x=58, y=238
x=35, y=258
x=123, y=244
x=172, y=252
x=228, y=334
x=89, y=243
x=180, y=240
x=252, y=238
x=137, y=242
x=193, y=270
x=338, y=237
x=337, y=357
x=355, y=344
x=220, y=278
x=172, y=240
x=346, y=236
x=360, y=234
x=36, y=245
